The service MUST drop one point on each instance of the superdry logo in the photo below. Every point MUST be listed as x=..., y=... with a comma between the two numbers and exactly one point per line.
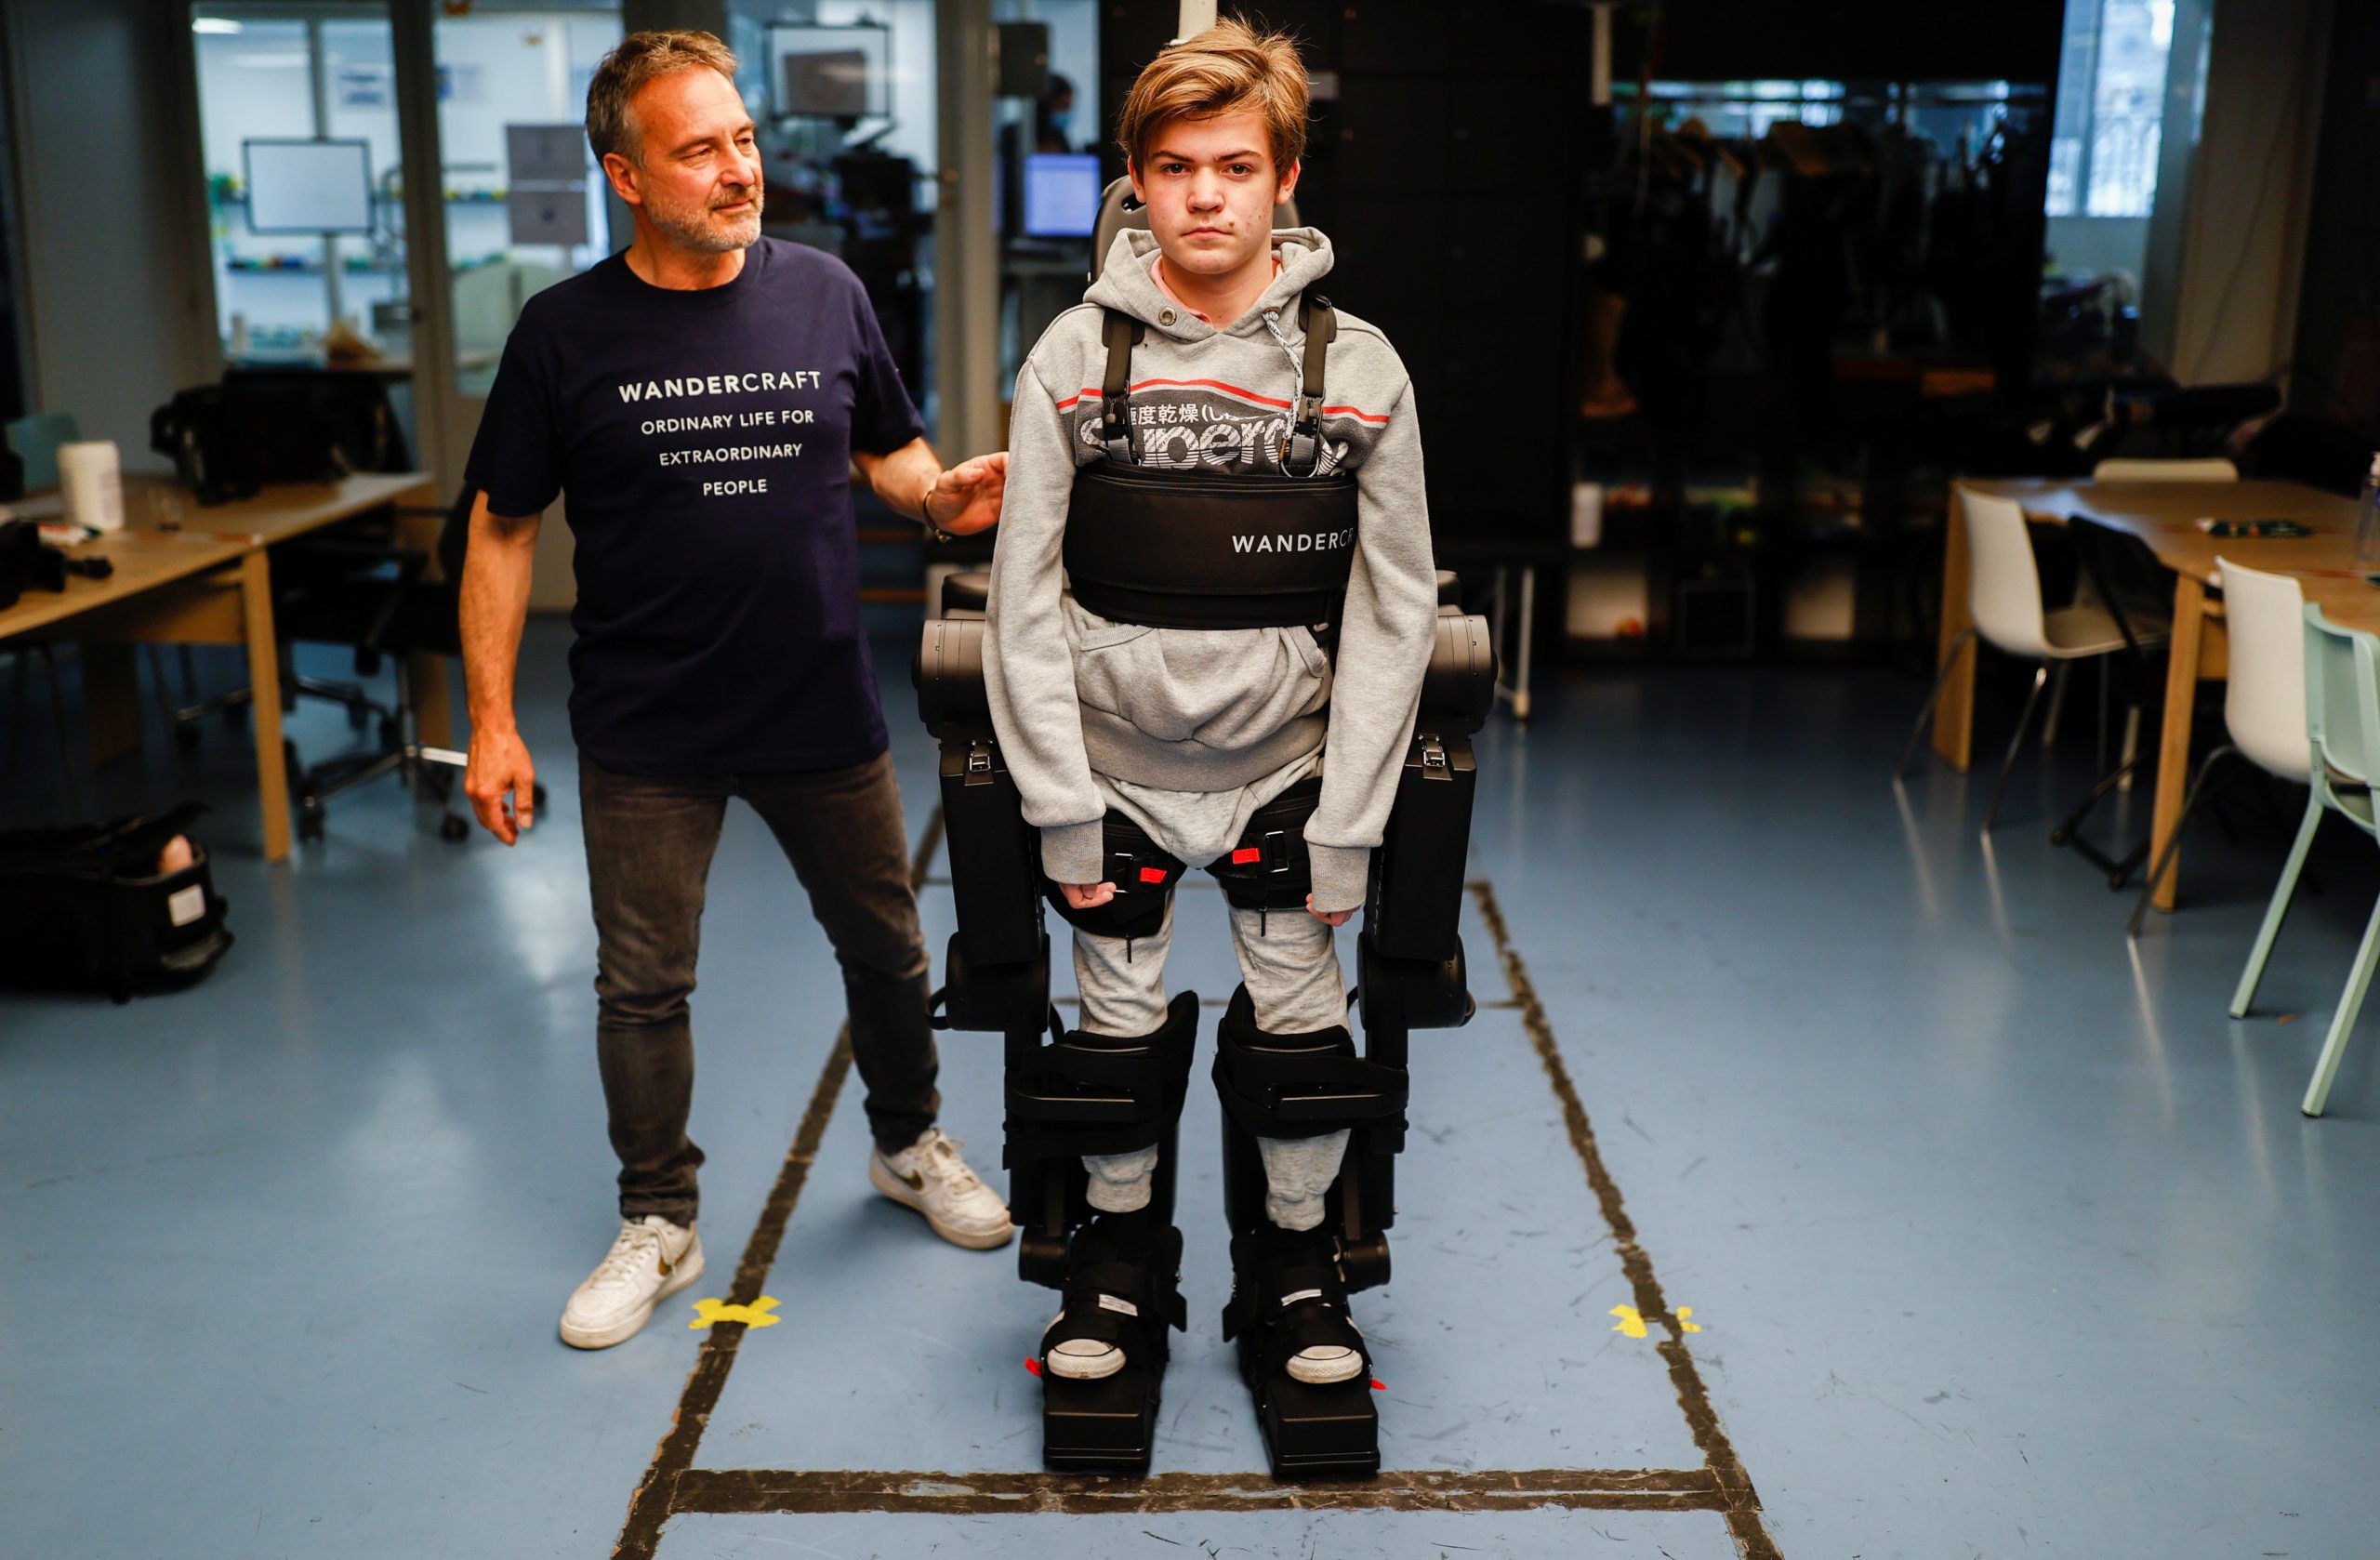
x=1183, y=435
x=1325, y=541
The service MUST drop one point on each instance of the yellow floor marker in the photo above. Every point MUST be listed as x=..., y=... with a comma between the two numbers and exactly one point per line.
x=755, y=1315
x=1632, y=1322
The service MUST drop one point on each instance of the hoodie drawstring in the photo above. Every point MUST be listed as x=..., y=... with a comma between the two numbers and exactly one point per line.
x=1273, y=324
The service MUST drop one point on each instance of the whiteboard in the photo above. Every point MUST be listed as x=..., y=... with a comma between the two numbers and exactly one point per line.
x=309, y=186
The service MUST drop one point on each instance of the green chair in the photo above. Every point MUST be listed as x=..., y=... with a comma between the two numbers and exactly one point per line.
x=36, y=440
x=2343, y=728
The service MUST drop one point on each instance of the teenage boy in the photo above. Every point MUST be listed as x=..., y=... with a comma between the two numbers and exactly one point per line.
x=1188, y=731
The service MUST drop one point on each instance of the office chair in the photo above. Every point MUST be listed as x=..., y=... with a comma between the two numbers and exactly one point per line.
x=2135, y=592
x=2343, y=736
x=366, y=436
x=2264, y=709
x=2005, y=599
x=380, y=599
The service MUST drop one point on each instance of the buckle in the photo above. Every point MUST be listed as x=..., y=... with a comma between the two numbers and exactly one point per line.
x=1434, y=754
x=979, y=760
x=1276, y=854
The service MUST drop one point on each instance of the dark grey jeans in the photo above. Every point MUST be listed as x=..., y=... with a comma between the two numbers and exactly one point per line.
x=649, y=847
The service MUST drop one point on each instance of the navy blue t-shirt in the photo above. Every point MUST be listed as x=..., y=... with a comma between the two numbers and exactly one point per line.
x=702, y=441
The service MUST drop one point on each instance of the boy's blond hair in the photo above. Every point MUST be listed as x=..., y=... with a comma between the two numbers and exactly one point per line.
x=1227, y=68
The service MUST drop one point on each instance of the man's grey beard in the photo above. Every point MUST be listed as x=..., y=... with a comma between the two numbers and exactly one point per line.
x=703, y=229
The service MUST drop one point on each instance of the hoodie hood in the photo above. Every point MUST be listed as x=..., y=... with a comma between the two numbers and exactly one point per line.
x=1125, y=284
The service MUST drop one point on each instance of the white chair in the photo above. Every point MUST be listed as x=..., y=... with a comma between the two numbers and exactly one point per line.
x=2209, y=470
x=2005, y=599
x=2264, y=707
x=2342, y=705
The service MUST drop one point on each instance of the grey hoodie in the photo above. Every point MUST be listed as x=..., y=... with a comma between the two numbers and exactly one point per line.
x=1209, y=710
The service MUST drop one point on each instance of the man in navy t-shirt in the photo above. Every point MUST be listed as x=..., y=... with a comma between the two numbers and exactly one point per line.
x=700, y=400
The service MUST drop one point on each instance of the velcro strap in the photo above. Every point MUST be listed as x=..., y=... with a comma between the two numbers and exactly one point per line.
x=1281, y=1078
x=1301, y=1090
x=1134, y=1285
x=1295, y=1301
x=1143, y=1072
x=1074, y=1096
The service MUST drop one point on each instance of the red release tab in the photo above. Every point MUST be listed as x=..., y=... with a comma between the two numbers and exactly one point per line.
x=1152, y=874
x=1245, y=854
x=1034, y=1365
x=1379, y=1385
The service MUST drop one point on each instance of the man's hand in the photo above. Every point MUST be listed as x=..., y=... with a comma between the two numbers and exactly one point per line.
x=966, y=498
x=499, y=768
x=1087, y=896
x=1328, y=918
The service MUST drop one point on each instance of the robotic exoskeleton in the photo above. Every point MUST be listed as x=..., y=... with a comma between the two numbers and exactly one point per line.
x=1157, y=547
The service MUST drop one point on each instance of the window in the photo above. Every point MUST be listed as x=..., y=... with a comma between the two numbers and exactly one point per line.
x=1744, y=110
x=2110, y=108
x=275, y=79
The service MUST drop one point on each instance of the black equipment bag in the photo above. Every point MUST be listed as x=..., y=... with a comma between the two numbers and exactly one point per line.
x=86, y=909
x=27, y=562
x=229, y=440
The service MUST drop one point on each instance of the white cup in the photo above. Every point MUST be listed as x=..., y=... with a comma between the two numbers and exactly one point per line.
x=93, y=482
x=1586, y=514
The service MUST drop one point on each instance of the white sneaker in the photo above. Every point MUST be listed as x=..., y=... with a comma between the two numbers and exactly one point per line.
x=651, y=1260
x=1083, y=1359
x=931, y=1177
x=1323, y=1365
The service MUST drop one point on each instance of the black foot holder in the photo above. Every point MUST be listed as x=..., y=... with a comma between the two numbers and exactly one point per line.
x=1109, y=1424
x=1287, y=1297
x=1084, y=1092
x=1318, y=1432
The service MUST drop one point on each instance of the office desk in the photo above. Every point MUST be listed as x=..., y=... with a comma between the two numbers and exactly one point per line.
x=2164, y=515
x=210, y=583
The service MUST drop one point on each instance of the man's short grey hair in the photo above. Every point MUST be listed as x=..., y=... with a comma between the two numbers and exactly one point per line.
x=640, y=57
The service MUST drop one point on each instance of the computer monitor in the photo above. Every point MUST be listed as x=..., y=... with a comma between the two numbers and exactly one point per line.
x=1061, y=195
x=830, y=71
x=309, y=186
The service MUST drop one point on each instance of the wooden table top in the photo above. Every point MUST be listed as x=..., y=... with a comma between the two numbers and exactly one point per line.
x=285, y=510
x=146, y=558
x=2165, y=515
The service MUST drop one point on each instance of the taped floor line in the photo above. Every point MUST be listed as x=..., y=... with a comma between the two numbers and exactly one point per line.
x=672, y=1485
x=755, y=1491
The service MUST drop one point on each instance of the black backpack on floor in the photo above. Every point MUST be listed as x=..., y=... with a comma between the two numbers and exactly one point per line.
x=86, y=909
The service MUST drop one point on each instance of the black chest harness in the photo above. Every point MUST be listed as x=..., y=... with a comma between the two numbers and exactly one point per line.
x=1202, y=550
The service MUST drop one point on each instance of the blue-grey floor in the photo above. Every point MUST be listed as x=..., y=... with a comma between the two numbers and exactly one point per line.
x=2004, y=1239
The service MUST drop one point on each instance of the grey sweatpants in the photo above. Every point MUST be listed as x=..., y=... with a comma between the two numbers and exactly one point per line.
x=1286, y=960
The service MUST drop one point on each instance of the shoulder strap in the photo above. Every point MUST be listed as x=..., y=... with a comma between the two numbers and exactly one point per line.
x=1321, y=326
x=1123, y=333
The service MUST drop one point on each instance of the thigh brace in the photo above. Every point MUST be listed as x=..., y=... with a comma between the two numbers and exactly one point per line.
x=1086, y=1092
x=1268, y=869
x=1301, y=1086
x=1144, y=877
